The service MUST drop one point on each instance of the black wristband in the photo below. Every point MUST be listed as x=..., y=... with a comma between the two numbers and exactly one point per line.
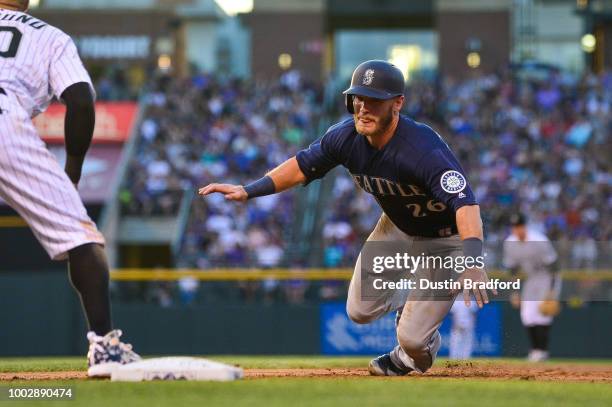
x=472, y=247
x=261, y=187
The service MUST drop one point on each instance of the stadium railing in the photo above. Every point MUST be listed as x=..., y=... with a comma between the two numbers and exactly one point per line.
x=250, y=274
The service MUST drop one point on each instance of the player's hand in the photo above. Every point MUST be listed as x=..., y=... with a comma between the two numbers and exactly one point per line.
x=480, y=294
x=231, y=192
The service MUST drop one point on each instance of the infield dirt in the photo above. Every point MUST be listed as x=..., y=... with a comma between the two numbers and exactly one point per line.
x=445, y=370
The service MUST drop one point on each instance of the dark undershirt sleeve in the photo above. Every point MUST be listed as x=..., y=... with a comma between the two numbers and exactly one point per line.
x=78, y=127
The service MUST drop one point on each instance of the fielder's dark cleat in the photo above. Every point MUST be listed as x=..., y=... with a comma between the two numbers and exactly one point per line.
x=384, y=366
x=107, y=353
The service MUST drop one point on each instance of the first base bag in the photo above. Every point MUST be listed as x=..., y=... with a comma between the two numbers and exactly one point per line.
x=176, y=368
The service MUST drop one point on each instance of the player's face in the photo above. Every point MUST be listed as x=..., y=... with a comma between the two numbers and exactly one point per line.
x=520, y=232
x=373, y=116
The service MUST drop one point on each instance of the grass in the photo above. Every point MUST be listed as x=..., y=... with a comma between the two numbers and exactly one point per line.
x=54, y=364
x=294, y=392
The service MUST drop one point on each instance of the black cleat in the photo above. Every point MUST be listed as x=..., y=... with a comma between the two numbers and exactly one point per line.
x=107, y=353
x=383, y=366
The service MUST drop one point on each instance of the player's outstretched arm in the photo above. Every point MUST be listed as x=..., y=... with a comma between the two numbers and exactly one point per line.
x=281, y=178
x=78, y=127
x=469, y=225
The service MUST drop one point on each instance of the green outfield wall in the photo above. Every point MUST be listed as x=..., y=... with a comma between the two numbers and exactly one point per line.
x=40, y=315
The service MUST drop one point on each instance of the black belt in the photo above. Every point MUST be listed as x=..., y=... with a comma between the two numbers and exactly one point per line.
x=441, y=232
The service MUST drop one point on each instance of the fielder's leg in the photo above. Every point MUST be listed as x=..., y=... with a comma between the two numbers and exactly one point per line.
x=33, y=184
x=540, y=352
x=532, y=318
x=89, y=275
x=531, y=332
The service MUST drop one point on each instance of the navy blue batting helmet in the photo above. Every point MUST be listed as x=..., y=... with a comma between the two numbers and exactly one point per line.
x=376, y=79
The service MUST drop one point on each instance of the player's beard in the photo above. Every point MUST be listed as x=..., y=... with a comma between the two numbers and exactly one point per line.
x=382, y=123
x=385, y=122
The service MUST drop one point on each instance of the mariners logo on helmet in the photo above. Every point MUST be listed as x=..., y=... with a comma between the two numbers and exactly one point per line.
x=375, y=79
x=368, y=77
x=452, y=182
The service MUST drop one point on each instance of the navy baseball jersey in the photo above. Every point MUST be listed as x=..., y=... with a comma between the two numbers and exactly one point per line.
x=416, y=179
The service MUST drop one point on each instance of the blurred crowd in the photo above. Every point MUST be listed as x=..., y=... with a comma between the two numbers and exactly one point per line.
x=115, y=82
x=539, y=144
x=213, y=129
x=205, y=130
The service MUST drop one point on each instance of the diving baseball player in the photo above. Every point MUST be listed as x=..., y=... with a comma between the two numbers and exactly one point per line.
x=38, y=62
x=421, y=187
x=530, y=252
